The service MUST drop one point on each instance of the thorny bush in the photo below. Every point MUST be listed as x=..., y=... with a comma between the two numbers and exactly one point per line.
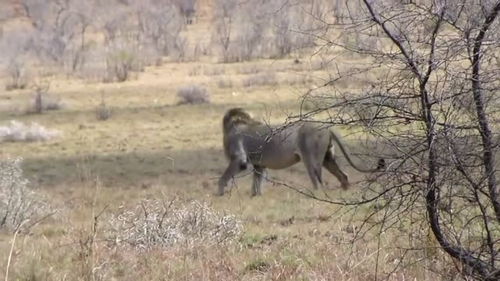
x=156, y=223
x=20, y=207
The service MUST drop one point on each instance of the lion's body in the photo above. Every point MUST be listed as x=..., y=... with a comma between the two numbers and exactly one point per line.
x=248, y=141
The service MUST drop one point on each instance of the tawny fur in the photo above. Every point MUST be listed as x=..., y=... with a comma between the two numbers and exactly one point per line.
x=247, y=141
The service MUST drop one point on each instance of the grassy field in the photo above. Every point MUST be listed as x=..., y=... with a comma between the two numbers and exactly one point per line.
x=153, y=148
x=120, y=182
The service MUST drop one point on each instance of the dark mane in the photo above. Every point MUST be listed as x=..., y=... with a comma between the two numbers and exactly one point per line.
x=237, y=116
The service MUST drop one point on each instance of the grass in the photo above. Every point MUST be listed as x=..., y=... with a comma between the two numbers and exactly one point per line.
x=153, y=148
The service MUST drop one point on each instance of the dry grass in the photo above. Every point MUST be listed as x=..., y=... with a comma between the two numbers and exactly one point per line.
x=309, y=248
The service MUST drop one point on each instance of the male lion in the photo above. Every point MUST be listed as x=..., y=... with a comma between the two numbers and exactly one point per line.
x=249, y=141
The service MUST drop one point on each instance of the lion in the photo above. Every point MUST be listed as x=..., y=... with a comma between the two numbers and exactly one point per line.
x=247, y=141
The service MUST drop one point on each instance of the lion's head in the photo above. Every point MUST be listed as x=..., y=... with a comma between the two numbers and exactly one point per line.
x=237, y=116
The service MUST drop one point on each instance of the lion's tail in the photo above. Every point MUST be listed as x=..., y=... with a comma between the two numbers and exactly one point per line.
x=380, y=164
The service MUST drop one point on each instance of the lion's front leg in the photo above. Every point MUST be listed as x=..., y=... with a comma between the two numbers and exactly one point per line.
x=234, y=168
x=259, y=174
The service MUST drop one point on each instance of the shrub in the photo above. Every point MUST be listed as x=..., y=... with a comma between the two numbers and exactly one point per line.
x=15, y=59
x=18, y=78
x=193, y=94
x=120, y=64
x=51, y=103
x=102, y=111
x=43, y=102
x=155, y=223
x=17, y=131
x=20, y=207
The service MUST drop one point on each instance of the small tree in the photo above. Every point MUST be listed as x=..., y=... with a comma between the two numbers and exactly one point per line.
x=224, y=12
x=430, y=55
x=15, y=46
x=17, y=73
x=160, y=23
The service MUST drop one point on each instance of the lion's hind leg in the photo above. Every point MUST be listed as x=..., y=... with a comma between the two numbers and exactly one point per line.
x=312, y=154
x=331, y=165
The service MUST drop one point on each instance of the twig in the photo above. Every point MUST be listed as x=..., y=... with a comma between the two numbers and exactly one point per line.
x=11, y=251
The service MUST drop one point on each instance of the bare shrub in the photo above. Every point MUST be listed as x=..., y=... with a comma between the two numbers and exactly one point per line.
x=120, y=63
x=193, y=94
x=155, y=223
x=102, y=112
x=200, y=49
x=239, y=29
x=59, y=30
x=248, y=30
x=441, y=183
x=18, y=132
x=51, y=103
x=17, y=73
x=160, y=24
x=133, y=44
x=20, y=207
x=293, y=26
x=224, y=12
x=42, y=101
x=14, y=48
x=261, y=79
x=249, y=27
x=60, y=34
x=95, y=69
